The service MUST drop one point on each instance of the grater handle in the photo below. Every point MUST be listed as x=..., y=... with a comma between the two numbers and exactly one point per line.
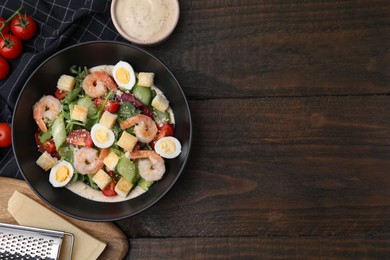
x=71, y=244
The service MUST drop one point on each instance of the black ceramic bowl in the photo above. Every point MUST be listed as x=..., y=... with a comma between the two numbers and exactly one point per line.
x=43, y=82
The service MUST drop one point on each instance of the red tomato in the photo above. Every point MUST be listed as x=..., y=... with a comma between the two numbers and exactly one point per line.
x=110, y=106
x=80, y=137
x=4, y=68
x=11, y=48
x=6, y=29
x=23, y=27
x=5, y=135
x=109, y=190
x=163, y=131
x=60, y=94
x=47, y=146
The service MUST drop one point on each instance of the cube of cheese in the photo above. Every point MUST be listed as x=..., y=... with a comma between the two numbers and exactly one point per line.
x=127, y=141
x=108, y=119
x=146, y=79
x=123, y=187
x=66, y=83
x=46, y=161
x=102, y=179
x=160, y=103
x=111, y=161
x=79, y=113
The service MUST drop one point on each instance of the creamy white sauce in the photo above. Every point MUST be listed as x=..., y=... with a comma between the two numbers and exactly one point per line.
x=87, y=192
x=147, y=20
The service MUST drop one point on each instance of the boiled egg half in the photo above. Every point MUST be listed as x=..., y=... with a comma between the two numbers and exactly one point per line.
x=124, y=75
x=61, y=174
x=168, y=147
x=101, y=136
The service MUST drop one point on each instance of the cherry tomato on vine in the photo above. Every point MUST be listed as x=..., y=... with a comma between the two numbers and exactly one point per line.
x=23, y=27
x=6, y=29
x=5, y=135
x=11, y=47
x=4, y=68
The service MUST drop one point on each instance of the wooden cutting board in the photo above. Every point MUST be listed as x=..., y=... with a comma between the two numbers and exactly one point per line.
x=117, y=243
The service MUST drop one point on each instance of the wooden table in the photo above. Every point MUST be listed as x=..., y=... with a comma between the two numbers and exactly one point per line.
x=291, y=148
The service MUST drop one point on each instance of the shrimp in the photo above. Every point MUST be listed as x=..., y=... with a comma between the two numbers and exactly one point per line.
x=106, y=79
x=145, y=128
x=87, y=161
x=47, y=108
x=151, y=166
x=96, y=84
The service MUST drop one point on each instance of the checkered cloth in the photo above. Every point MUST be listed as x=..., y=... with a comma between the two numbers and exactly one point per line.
x=60, y=23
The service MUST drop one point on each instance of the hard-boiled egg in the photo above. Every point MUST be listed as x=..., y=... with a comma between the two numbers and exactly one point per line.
x=168, y=147
x=124, y=75
x=61, y=174
x=102, y=137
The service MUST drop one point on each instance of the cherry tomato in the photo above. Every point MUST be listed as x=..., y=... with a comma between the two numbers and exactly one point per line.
x=109, y=190
x=6, y=29
x=80, y=137
x=60, y=94
x=11, y=48
x=110, y=106
x=164, y=130
x=5, y=135
x=4, y=68
x=23, y=27
x=47, y=146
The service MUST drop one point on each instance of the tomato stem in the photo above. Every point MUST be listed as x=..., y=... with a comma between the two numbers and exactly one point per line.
x=9, y=20
x=2, y=36
x=13, y=15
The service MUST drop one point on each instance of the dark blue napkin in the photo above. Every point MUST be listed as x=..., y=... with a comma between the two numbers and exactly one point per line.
x=61, y=23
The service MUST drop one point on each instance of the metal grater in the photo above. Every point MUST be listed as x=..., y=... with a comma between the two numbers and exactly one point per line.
x=21, y=242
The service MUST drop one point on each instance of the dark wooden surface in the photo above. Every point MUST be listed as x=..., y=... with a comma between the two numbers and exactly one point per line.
x=291, y=148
